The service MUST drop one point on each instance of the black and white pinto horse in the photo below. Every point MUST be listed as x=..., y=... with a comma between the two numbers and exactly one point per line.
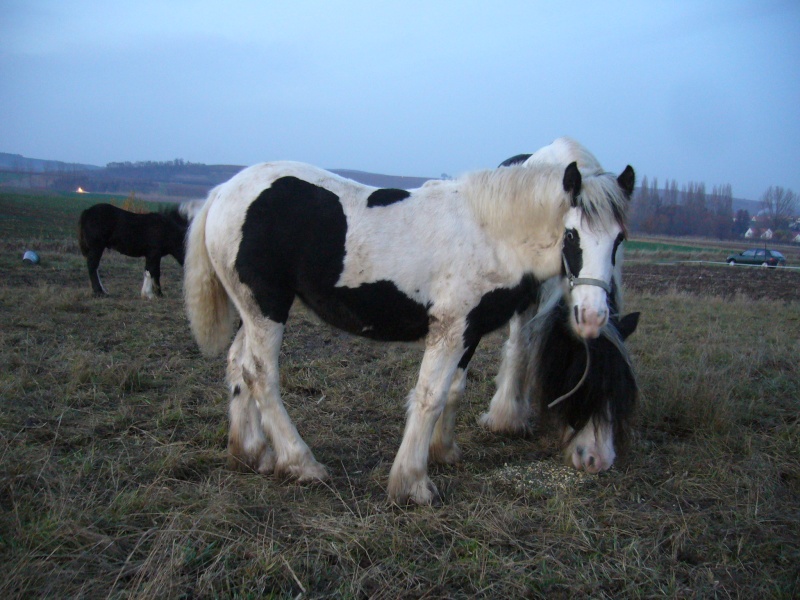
x=445, y=263
x=152, y=235
x=545, y=363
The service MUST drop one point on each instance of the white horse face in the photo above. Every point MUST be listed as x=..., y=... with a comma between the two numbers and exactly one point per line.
x=589, y=258
x=592, y=448
x=589, y=252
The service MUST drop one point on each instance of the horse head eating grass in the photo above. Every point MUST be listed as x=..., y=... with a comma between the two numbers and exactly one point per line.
x=445, y=264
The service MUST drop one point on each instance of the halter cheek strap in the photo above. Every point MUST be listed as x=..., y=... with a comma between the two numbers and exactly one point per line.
x=573, y=281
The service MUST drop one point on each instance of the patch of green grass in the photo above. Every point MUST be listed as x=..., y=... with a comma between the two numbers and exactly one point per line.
x=645, y=246
x=49, y=215
x=701, y=250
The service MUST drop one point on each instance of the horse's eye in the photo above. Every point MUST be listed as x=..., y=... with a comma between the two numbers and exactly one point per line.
x=569, y=236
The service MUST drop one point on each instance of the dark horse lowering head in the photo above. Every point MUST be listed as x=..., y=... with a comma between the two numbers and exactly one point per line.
x=151, y=235
x=586, y=388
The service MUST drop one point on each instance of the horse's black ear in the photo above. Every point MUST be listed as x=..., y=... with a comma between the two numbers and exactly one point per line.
x=572, y=181
x=627, y=324
x=626, y=180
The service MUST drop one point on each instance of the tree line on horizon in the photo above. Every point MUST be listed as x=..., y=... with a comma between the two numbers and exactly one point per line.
x=690, y=210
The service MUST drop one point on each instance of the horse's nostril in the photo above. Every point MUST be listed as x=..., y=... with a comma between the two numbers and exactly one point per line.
x=591, y=461
x=580, y=451
x=577, y=318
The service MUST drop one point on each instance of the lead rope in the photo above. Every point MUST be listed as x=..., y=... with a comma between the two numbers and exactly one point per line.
x=580, y=383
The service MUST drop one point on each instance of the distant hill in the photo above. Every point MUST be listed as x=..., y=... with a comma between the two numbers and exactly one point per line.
x=169, y=180
x=174, y=180
x=17, y=162
x=383, y=181
x=751, y=206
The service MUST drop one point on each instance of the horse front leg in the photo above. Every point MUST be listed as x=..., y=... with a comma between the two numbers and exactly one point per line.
x=510, y=408
x=93, y=265
x=151, y=287
x=408, y=479
x=443, y=447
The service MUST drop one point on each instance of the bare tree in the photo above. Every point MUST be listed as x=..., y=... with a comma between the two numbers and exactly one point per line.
x=780, y=204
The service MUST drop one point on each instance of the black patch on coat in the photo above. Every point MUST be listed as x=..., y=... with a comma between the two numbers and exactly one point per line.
x=572, y=251
x=386, y=196
x=378, y=310
x=494, y=310
x=514, y=160
x=293, y=244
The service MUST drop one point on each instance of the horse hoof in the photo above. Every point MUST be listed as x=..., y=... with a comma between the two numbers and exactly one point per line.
x=515, y=429
x=445, y=456
x=421, y=493
x=306, y=472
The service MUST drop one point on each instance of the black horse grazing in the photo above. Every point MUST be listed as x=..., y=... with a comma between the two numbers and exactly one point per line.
x=591, y=405
x=151, y=235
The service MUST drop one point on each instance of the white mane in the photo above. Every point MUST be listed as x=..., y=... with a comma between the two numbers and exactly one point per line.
x=528, y=201
x=519, y=203
x=599, y=191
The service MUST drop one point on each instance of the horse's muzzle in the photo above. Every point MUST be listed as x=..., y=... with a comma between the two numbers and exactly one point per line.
x=588, y=322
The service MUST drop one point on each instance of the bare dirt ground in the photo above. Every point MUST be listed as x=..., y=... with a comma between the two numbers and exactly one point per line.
x=704, y=279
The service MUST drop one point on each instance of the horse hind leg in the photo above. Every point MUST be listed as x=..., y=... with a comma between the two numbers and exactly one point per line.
x=93, y=266
x=259, y=374
x=248, y=447
x=151, y=286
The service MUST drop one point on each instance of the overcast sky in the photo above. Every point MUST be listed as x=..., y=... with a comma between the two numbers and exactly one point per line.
x=693, y=91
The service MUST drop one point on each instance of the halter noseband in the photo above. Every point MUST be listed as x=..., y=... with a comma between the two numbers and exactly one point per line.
x=573, y=281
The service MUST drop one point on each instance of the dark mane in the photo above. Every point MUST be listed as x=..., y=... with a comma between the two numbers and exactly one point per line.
x=609, y=392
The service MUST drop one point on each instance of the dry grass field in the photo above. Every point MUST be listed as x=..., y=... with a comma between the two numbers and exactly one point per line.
x=113, y=480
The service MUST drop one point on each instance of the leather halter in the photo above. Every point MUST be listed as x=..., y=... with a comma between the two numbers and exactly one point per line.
x=574, y=281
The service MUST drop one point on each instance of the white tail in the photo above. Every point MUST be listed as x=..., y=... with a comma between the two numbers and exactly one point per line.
x=210, y=311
